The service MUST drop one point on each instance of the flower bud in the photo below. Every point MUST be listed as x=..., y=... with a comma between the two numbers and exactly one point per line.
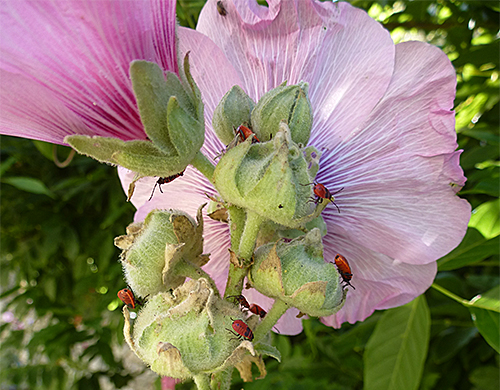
x=269, y=178
x=154, y=251
x=172, y=114
x=232, y=111
x=284, y=103
x=185, y=332
x=296, y=273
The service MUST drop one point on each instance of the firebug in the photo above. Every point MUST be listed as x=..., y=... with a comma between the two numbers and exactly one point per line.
x=244, y=132
x=127, y=297
x=344, y=269
x=241, y=300
x=242, y=330
x=321, y=192
x=257, y=310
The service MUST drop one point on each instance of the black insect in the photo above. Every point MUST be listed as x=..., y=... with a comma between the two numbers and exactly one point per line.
x=164, y=180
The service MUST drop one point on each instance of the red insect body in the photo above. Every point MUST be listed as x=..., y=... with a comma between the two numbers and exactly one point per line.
x=321, y=192
x=344, y=269
x=244, y=132
x=241, y=300
x=242, y=330
x=127, y=297
x=257, y=310
x=164, y=180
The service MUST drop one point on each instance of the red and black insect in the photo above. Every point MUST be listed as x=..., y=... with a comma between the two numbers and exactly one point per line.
x=344, y=269
x=128, y=298
x=164, y=180
x=321, y=192
x=244, y=132
x=221, y=9
x=241, y=300
x=241, y=330
x=257, y=310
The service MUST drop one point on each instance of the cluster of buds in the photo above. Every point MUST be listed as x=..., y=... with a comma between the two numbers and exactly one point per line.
x=266, y=182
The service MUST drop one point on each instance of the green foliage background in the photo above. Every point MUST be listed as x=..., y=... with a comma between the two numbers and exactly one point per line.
x=61, y=327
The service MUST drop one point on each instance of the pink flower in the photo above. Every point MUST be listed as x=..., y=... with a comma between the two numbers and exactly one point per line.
x=382, y=118
x=64, y=66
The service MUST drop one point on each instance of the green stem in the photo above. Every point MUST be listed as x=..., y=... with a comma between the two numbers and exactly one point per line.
x=236, y=225
x=249, y=236
x=203, y=164
x=202, y=381
x=185, y=268
x=222, y=379
x=279, y=308
x=449, y=294
x=235, y=279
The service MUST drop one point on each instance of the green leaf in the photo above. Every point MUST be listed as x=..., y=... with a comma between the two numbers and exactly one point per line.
x=396, y=352
x=5, y=165
x=485, y=311
x=447, y=344
x=268, y=350
x=486, y=218
x=485, y=378
x=45, y=148
x=29, y=184
x=473, y=249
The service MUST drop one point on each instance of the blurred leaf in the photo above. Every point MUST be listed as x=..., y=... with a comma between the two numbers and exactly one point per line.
x=29, y=184
x=5, y=165
x=45, y=148
x=450, y=341
x=478, y=154
x=486, y=378
x=473, y=249
x=396, y=352
x=486, y=316
x=479, y=55
x=486, y=218
x=481, y=133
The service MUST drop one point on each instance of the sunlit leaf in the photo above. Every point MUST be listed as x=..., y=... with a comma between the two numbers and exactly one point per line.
x=486, y=316
x=395, y=354
x=486, y=218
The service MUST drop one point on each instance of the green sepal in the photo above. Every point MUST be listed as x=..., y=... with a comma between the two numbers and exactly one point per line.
x=187, y=133
x=139, y=156
x=297, y=274
x=270, y=179
x=171, y=113
x=289, y=104
x=232, y=111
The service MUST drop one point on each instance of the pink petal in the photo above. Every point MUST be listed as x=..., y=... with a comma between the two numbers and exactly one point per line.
x=346, y=56
x=72, y=59
x=379, y=281
x=400, y=171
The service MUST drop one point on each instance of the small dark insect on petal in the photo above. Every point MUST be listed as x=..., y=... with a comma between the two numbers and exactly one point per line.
x=221, y=9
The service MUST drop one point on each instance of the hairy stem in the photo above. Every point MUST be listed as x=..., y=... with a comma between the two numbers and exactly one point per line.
x=253, y=223
x=203, y=164
x=279, y=308
x=202, y=381
x=222, y=379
